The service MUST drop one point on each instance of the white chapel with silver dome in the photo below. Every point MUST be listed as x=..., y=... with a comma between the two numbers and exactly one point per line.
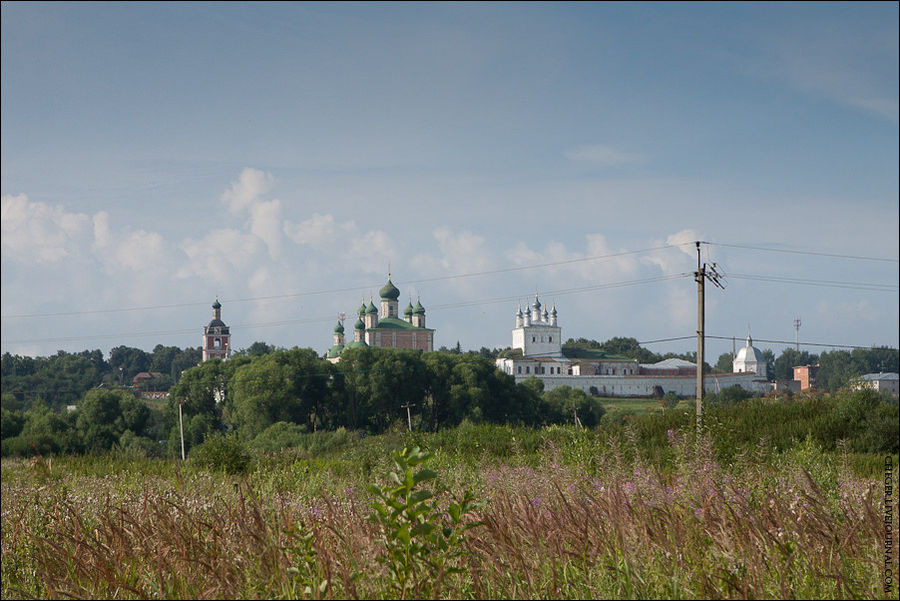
x=749, y=359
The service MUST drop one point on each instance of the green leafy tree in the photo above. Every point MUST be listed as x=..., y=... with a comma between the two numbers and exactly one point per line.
x=44, y=431
x=127, y=362
x=185, y=360
x=783, y=368
x=257, y=349
x=563, y=404
x=104, y=415
x=161, y=359
x=725, y=364
x=11, y=423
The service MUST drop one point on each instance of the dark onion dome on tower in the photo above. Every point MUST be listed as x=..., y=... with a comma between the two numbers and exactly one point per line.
x=389, y=292
x=339, y=328
x=371, y=308
x=359, y=325
x=419, y=310
x=362, y=309
x=217, y=304
x=408, y=311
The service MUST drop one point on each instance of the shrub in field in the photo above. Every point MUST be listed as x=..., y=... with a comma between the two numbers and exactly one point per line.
x=421, y=543
x=279, y=435
x=221, y=452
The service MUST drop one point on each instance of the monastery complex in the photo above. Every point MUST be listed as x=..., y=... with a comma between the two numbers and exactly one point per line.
x=537, y=351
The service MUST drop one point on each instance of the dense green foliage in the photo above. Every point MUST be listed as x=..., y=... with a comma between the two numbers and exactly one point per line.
x=371, y=390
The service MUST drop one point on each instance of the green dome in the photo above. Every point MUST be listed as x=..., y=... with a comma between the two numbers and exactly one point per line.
x=389, y=292
x=409, y=310
x=339, y=328
x=359, y=325
x=419, y=310
x=371, y=308
x=357, y=344
x=335, y=351
x=362, y=309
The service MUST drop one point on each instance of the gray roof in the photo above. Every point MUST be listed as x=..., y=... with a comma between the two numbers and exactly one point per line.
x=881, y=376
x=670, y=363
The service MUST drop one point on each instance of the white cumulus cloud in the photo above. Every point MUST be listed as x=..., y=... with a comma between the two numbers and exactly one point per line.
x=250, y=187
x=41, y=233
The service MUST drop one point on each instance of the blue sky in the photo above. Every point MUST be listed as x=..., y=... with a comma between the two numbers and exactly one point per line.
x=155, y=156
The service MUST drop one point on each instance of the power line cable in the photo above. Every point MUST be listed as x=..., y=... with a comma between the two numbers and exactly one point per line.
x=349, y=289
x=807, y=282
x=560, y=292
x=803, y=252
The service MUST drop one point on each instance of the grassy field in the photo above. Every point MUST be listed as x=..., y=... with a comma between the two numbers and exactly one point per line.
x=559, y=513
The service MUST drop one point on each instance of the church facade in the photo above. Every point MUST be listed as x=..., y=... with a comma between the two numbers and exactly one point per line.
x=385, y=329
x=537, y=351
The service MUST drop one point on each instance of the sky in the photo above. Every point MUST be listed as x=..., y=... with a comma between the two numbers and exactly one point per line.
x=285, y=158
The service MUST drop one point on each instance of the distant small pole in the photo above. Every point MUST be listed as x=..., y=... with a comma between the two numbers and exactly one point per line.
x=181, y=429
x=408, y=415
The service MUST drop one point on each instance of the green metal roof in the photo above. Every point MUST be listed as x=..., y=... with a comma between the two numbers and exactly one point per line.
x=419, y=310
x=359, y=325
x=356, y=344
x=389, y=292
x=339, y=328
x=409, y=309
x=371, y=308
x=335, y=351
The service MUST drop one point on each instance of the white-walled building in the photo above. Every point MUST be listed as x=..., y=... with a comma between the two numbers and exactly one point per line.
x=889, y=382
x=537, y=351
x=750, y=359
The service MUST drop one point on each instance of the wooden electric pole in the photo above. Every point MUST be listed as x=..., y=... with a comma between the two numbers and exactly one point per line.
x=409, y=415
x=700, y=277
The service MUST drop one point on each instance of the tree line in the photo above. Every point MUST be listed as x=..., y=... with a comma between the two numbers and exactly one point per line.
x=370, y=390
x=263, y=387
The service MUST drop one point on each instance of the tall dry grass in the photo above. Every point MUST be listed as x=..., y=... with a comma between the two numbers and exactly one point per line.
x=768, y=527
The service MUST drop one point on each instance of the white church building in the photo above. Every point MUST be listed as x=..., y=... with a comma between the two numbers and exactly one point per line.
x=537, y=351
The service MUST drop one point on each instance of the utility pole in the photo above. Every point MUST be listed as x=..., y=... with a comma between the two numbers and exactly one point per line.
x=700, y=277
x=797, y=333
x=408, y=414
x=181, y=430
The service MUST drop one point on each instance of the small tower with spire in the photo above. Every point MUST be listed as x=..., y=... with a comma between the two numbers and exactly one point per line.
x=389, y=295
x=408, y=312
x=371, y=315
x=418, y=318
x=216, y=336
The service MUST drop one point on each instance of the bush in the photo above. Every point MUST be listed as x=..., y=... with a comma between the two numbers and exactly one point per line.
x=278, y=436
x=669, y=400
x=616, y=417
x=223, y=453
